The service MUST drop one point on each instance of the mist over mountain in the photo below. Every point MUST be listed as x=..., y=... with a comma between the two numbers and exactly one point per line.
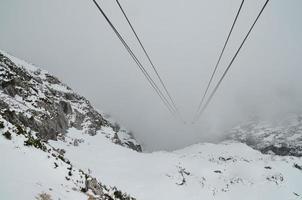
x=184, y=40
x=57, y=146
x=150, y=100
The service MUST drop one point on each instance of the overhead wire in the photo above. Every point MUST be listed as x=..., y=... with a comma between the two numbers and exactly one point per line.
x=232, y=61
x=141, y=67
x=218, y=62
x=147, y=55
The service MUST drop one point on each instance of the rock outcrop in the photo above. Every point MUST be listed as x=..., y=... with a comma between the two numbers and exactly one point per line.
x=33, y=99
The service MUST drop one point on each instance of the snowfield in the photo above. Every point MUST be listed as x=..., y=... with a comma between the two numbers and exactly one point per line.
x=203, y=171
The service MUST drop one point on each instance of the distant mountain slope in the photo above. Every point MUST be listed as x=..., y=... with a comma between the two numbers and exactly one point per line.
x=283, y=137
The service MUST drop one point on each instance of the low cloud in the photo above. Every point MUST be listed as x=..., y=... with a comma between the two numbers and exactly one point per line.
x=71, y=40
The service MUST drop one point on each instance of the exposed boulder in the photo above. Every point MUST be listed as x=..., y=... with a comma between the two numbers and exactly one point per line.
x=93, y=185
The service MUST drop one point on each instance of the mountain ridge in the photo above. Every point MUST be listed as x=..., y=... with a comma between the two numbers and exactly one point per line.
x=282, y=137
x=52, y=104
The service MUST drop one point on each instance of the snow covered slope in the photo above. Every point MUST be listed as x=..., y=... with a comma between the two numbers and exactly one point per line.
x=55, y=145
x=36, y=107
x=32, y=169
x=204, y=171
x=27, y=172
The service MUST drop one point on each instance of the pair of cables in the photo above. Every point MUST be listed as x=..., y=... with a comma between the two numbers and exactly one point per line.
x=165, y=96
x=205, y=103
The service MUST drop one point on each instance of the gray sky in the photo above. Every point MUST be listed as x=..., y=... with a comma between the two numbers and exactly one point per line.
x=71, y=40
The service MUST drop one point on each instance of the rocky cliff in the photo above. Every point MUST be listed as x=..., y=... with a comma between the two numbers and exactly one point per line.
x=35, y=100
x=35, y=109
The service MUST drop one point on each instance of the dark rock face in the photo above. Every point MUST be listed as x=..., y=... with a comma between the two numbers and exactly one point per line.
x=133, y=146
x=284, y=150
x=66, y=107
x=297, y=166
x=34, y=99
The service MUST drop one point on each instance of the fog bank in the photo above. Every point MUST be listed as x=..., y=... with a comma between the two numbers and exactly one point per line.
x=71, y=40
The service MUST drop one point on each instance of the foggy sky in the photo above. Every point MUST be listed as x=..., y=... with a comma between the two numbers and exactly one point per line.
x=71, y=40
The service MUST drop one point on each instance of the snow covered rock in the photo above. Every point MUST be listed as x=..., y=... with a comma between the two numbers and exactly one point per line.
x=32, y=98
x=35, y=107
x=282, y=137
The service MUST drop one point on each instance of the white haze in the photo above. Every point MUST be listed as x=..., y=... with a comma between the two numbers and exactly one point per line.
x=71, y=40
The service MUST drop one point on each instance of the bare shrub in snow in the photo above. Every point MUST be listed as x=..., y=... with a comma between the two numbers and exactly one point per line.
x=7, y=135
x=43, y=196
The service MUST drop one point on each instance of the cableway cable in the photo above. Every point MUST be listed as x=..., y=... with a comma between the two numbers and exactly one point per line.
x=230, y=64
x=147, y=55
x=218, y=62
x=141, y=67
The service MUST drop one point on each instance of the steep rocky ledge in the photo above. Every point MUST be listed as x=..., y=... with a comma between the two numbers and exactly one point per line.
x=33, y=99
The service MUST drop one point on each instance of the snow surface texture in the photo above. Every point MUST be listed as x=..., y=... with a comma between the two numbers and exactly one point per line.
x=31, y=172
x=27, y=172
x=65, y=168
